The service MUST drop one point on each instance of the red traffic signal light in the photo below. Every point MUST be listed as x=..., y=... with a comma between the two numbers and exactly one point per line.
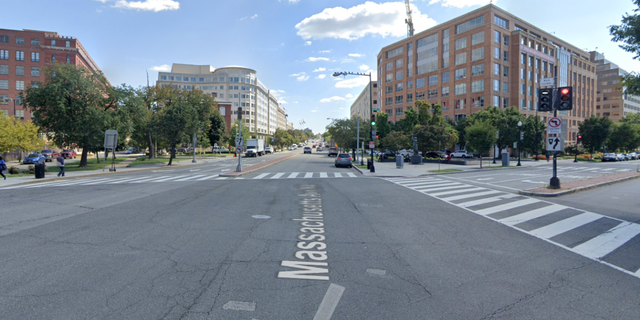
x=579, y=139
x=564, y=91
x=565, y=98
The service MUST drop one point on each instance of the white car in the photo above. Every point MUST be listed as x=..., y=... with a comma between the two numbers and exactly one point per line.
x=268, y=150
x=461, y=154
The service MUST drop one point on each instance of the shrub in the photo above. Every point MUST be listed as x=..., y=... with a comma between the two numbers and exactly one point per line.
x=585, y=156
x=540, y=157
x=14, y=170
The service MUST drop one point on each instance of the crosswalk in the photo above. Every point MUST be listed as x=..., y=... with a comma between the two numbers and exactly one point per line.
x=592, y=169
x=567, y=227
x=182, y=178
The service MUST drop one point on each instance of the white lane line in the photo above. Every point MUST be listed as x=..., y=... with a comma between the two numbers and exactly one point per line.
x=624, y=170
x=438, y=188
x=260, y=176
x=293, y=175
x=507, y=206
x=190, y=177
x=323, y=174
x=208, y=177
x=414, y=183
x=470, y=195
x=152, y=179
x=222, y=178
x=533, y=214
x=169, y=178
x=337, y=175
x=605, y=243
x=470, y=188
x=562, y=226
x=329, y=302
x=277, y=175
x=609, y=169
x=70, y=183
x=403, y=182
x=350, y=174
x=308, y=175
x=486, y=200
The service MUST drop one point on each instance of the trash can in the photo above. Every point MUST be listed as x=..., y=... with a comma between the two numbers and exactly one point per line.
x=399, y=161
x=368, y=164
x=505, y=159
x=39, y=169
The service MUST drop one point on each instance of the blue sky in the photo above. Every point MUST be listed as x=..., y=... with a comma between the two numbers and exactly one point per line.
x=294, y=45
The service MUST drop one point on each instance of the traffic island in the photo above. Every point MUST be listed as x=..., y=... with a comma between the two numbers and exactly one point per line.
x=580, y=185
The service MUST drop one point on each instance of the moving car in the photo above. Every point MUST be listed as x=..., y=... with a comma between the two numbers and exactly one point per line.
x=34, y=158
x=50, y=154
x=343, y=160
x=434, y=154
x=307, y=150
x=69, y=154
x=319, y=149
x=333, y=151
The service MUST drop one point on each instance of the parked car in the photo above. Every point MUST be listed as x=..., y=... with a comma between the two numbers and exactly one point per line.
x=132, y=150
x=461, y=154
x=307, y=150
x=434, y=155
x=34, y=158
x=632, y=156
x=268, y=150
x=319, y=149
x=333, y=151
x=50, y=154
x=219, y=149
x=609, y=157
x=69, y=154
x=343, y=160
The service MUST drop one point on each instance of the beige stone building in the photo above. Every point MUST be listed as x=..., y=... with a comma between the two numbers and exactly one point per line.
x=360, y=106
x=487, y=57
x=610, y=98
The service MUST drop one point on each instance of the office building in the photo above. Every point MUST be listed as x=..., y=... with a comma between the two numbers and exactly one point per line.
x=23, y=56
x=487, y=57
x=611, y=101
x=360, y=106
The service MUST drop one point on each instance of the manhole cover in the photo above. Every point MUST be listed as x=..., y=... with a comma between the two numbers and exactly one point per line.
x=260, y=216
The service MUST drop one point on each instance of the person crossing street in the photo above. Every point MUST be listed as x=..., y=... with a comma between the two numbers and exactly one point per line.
x=60, y=162
x=3, y=166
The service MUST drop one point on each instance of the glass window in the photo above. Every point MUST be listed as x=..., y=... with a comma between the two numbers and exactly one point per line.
x=19, y=40
x=409, y=97
x=53, y=43
x=445, y=77
x=432, y=94
x=178, y=78
x=19, y=70
x=496, y=85
x=461, y=43
x=399, y=75
x=420, y=83
x=4, y=84
x=477, y=70
x=163, y=77
x=496, y=52
x=399, y=63
x=505, y=71
x=19, y=55
x=388, y=77
x=4, y=69
x=501, y=22
x=68, y=59
x=496, y=36
x=399, y=87
x=35, y=42
x=53, y=57
x=4, y=39
x=388, y=89
x=35, y=56
x=477, y=54
x=433, y=80
x=505, y=55
x=496, y=69
x=477, y=86
x=477, y=38
x=68, y=44
x=394, y=52
x=19, y=85
x=461, y=74
x=389, y=66
x=461, y=58
x=399, y=99
x=460, y=88
x=505, y=87
x=445, y=92
x=505, y=40
x=471, y=24
x=35, y=71
x=409, y=84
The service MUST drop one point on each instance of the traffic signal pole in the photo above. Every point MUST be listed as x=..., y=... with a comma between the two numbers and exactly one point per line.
x=554, y=183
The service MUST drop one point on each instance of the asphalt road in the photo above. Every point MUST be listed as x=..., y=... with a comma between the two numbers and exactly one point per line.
x=187, y=244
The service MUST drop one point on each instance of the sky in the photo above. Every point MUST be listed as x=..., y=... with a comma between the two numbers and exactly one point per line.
x=294, y=45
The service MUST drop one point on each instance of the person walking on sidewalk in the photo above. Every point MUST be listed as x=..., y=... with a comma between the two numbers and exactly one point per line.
x=60, y=161
x=3, y=166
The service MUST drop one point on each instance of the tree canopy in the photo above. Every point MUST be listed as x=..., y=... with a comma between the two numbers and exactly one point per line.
x=628, y=33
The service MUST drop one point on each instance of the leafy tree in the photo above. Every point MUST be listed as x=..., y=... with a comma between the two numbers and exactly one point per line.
x=460, y=127
x=533, y=129
x=8, y=141
x=629, y=34
x=595, y=132
x=409, y=121
x=282, y=138
x=217, y=127
x=434, y=137
x=424, y=116
x=73, y=106
x=19, y=135
x=382, y=125
x=233, y=132
x=624, y=137
x=344, y=132
x=395, y=141
x=481, y=137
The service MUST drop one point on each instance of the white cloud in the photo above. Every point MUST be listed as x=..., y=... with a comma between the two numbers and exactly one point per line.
x=332, y=99
x=347, y=60
x=320, y=69
x=314, y=59
x=164, y=67
x=302, y=76
x=290, y=1
x=384, y=19
x=307, y=43
x=148, y=5
x=349, y=95
x=356, y=55
x=321, y=76
x=247, y=17
x=363, y=67
x=325, y=51
x=461, y=3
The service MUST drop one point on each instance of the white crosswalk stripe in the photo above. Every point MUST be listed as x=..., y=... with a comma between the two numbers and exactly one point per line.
x=508, y=206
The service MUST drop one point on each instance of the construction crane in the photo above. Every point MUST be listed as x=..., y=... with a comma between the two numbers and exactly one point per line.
x=408, y=20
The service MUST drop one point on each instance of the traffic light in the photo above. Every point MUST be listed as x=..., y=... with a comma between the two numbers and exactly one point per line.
x=565, y=98
x=373, y=119
x=544, y=100
x=579, y=139
x=377, y=136
x=239, y=113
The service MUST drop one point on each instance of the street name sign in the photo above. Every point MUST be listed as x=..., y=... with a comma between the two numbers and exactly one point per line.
x=547, y=82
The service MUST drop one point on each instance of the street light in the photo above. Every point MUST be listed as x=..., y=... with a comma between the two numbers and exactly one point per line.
x=345, y=73
x=519, y=141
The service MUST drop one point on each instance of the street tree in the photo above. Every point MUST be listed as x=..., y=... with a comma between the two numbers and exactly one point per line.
x=435, y=137
x=382, y=127
x=73, y=106
x=595, y=132
x=628, y=32
x=18, y=135
x=395, y=141
x=533, y=128
x=481, y=137
x=344, y=132
x=217, y=127
x=424, y=116
x=409, y=121
x=625, y=136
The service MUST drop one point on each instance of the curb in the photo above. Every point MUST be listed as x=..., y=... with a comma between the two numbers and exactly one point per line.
x=578, y=189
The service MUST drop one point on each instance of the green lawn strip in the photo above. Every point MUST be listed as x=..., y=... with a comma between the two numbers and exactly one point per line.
x=445, y=170
x=497, y=167
x=361, y=167
x=91, y=165
x=145, y=160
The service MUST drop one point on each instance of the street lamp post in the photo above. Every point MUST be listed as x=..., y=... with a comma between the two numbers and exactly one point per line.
x=345, y=73
x=15, y=116
x=519, y=142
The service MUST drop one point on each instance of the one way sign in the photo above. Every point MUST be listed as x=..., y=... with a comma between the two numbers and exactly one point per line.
x=554, y=144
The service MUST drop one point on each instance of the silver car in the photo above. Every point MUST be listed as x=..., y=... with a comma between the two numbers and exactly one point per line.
x=343, y=160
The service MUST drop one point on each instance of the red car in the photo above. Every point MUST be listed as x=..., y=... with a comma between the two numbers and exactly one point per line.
x=67, y=154
x=50, y=154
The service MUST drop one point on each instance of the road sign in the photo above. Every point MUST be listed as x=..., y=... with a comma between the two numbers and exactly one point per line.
x=239, y=150
x=554, y=125
x=554, y=144
x=110, y=139
x=547, y=82
x=372, y=144
x=239, y=141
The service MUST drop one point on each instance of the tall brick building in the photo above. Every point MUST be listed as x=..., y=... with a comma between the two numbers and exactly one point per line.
x=23, y=56
x=487, y=57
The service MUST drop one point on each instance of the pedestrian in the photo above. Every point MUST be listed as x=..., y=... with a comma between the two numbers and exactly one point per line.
x=60, y=162
x=3, y=166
